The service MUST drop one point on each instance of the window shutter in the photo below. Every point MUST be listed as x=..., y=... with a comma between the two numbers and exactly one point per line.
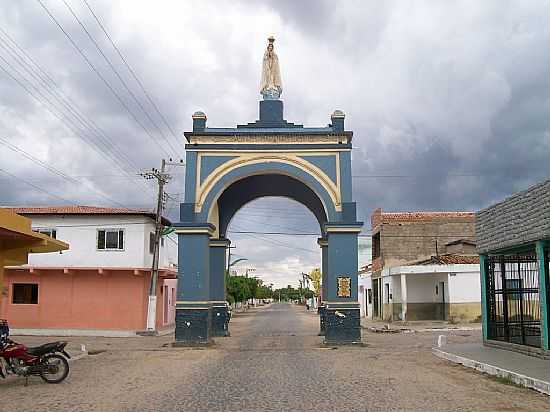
x=101, y=239
x=121, y=239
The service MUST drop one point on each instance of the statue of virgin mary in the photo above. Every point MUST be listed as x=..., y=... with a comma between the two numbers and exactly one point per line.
x=271, y=87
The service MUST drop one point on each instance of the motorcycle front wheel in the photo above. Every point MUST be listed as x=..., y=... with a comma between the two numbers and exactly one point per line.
x=54, y=368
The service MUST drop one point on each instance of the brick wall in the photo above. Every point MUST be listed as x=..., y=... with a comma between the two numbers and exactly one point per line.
x=520, y=219
x=403, y=242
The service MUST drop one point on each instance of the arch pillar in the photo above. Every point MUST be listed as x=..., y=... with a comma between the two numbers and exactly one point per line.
x=193, y=308
x=342, y=312
x=218, y=305
x=323, y=244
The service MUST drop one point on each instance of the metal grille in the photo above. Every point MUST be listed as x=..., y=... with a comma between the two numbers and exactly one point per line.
x=513, y=299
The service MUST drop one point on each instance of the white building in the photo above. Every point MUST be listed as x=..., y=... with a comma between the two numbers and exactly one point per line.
x=365, y=291
x=442, y=288
x=126, y=237
x=102, y=282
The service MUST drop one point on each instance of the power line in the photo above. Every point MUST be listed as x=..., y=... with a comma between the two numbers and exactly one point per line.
x=55, y=171
x=110, y=64
x=274, y=242
x=96, y=71
x=37, y=187
x=134, y=75
x=361, y=235
x=45, y=101
x=49, y=84
x=52, y=88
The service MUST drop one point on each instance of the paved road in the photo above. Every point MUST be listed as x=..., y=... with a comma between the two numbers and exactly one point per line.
x=273, y=361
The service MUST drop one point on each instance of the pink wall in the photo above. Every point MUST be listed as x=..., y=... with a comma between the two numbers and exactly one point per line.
x=166, y=303
x=84, y=299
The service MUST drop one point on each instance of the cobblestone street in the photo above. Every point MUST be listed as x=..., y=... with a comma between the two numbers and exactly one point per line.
x=273, y=361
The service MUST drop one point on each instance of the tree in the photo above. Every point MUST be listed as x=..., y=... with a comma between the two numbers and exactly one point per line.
x=315, y=277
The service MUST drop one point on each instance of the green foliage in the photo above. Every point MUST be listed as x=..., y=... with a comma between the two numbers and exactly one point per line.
x=289, y=293
x=242, y=288
x=315, y=277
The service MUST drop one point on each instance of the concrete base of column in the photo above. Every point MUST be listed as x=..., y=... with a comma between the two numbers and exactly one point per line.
x=220, y=321
x=342, y=325
x=193, y=326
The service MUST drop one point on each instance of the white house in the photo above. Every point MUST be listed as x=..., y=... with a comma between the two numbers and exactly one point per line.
x=365, y=291
x=442, y=288
x=101, y=284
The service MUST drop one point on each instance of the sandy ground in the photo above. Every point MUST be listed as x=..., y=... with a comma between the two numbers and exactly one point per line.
x=274, y=361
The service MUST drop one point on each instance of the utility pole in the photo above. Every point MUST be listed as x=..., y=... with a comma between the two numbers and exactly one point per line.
x=229, y=256
x=162, y=178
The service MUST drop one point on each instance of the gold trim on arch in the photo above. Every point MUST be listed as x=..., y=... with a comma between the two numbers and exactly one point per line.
x=203, y=190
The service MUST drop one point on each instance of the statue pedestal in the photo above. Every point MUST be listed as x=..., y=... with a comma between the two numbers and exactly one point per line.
x=271, y=111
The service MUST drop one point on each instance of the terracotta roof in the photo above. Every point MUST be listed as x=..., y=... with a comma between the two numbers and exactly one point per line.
x=423, y=216
x=450, y=260
x=77, y=210
x=82, y=210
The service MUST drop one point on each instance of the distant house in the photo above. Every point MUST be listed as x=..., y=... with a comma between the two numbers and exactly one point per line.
x=98, y=287
x=424, y=267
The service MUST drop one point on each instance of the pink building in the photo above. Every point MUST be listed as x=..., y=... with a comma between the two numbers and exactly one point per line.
x=100, y=285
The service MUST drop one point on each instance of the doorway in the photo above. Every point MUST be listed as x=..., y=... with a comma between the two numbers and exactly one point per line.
x=376, y=298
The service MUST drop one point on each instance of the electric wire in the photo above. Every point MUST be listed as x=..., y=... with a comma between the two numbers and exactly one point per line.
x=57, y=172
x=52, y=109
x=122, y=81
x=106, y=149
x=102, y=78
x=38, y=187
x=133, y=73
x=52, y=88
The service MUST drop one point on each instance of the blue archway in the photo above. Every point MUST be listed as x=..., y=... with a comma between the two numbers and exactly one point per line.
x=229, y=167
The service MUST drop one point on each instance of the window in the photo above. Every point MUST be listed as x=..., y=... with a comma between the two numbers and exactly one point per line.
x=387, y=286
x=369, y=294
x=49, y=232
x=376, y=246
x=162, y=241
x=25, y=293
x=151, y=243
x=110, y=239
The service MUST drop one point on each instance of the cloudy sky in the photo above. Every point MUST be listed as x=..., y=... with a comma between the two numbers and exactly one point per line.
x=449, y=101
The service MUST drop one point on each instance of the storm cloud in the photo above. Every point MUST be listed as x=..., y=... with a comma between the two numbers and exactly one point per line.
x=449, y=102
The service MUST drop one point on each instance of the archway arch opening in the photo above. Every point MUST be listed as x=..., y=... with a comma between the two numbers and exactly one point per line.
x=248, y=189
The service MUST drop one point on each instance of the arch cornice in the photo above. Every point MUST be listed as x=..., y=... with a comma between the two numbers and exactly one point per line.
x=202, y=191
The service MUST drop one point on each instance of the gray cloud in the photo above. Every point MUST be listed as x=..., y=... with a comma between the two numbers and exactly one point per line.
x=452, y=97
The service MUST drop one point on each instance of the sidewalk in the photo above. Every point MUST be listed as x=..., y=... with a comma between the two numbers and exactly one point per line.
x=523, y=370
x=415, y=326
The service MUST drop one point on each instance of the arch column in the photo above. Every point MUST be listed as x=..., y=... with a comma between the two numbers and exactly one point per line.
x=193, y=307
x=342, y=313
x=323, y=243
x=218, y=305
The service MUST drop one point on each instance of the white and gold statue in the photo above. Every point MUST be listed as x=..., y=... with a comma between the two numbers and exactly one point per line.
x=271, y=86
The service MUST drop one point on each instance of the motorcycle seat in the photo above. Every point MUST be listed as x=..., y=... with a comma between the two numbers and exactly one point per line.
x=46, y=348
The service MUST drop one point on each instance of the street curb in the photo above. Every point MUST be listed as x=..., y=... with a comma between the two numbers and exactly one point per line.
x=517, y=378
x=424, y=330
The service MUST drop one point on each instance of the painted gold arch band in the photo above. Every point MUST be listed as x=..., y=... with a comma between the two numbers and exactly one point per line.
x=217, y=174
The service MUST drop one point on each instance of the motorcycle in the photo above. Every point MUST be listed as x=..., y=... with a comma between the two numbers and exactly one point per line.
x=49, y=361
